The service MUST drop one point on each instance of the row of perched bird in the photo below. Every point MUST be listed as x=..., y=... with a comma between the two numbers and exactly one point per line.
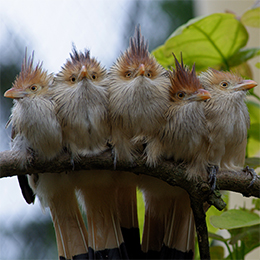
x=141, y=109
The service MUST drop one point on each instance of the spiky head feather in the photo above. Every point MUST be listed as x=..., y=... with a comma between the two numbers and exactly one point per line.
x=137, y=54
x=74, y=65
x=31, y=75
x=182, y=79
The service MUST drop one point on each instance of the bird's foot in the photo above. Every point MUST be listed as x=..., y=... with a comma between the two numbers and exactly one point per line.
x=213, y=170
x=253, y=174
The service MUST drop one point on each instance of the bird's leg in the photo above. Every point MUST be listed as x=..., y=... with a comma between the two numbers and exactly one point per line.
x=252, y=172
x=212, y=170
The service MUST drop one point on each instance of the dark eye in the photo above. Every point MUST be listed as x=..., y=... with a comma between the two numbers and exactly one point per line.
x=128, y=74
x=224, y=84
x=181, y=94
x=149, y=74
x=72, y=79
x=33, y=87
x=94, y=76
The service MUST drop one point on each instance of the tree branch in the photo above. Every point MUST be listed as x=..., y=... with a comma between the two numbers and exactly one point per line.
x=167, y=171
x=170, y=172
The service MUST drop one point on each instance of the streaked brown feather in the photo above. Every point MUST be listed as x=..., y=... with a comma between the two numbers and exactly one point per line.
x=183, y=79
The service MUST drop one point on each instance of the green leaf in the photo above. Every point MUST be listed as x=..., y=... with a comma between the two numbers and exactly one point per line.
x=251, y=17
x=217, y=252
x=158, y=53
x=256, y=202
x=243, y=55
x=235, y=218
x=253, y=145
x=208, y=41
x=254, y=111
x=253, y=162
x=253, y=131
x=252, y=93
x=248, y=235
x=257, y=65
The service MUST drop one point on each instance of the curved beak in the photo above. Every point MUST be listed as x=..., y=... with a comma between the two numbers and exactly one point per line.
x=200, y=95
x=141, y=70
x=245, y=85
x=83, y=73
x=15, y=93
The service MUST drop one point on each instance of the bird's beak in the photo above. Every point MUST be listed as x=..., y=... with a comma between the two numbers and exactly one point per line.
x=83, y=73
x=15, y=93
x=200, y=95
x=245, y=85
x=141, y=70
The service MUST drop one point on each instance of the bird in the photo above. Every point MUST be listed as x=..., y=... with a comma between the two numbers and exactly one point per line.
x=80, y=92
x=169, y=230
x=227, y=118
x=138, y=92
x=36, y=130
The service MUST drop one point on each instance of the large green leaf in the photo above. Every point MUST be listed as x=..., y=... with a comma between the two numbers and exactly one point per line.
x=253, y=145
x=208, y=41
x=235, y=218
x=243, y=55
x=251, y=17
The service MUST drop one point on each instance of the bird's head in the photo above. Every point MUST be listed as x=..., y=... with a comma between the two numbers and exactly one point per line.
x=185, y=86
x=81, y=67
x=31, y=81
x=225, y=81
x=136, y=61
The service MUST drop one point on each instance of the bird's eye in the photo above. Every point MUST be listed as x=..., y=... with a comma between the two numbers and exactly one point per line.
x=128, y=74
x=149, y=75
x=224, y=84
x=72, y=79
x=94, y=76
x=33, y=88
x=181, y=94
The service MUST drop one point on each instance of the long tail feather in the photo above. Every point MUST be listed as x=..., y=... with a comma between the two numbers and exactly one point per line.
x=56, y=191
x=99, y=196
x=127, y=209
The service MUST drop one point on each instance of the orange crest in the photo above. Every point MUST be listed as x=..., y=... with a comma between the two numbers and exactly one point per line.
x=30, y=75
x=136, y=54
x=76, y=62
x=182, y=79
